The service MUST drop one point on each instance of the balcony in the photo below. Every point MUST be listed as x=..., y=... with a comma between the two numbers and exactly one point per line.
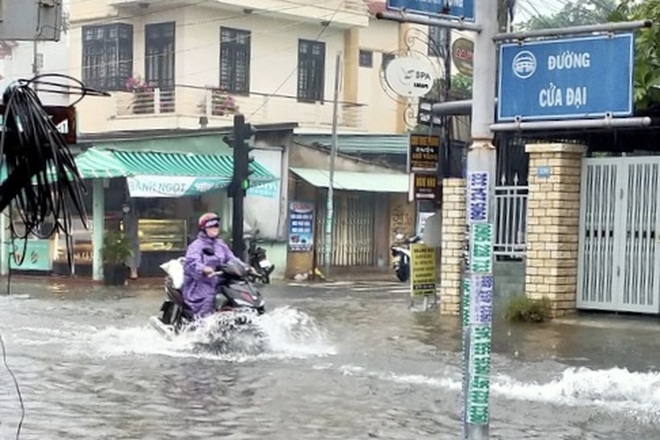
x=185, y=107
x=340, y=13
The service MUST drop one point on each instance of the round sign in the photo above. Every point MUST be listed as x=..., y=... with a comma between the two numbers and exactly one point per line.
x=409, y=76
x=462, y=52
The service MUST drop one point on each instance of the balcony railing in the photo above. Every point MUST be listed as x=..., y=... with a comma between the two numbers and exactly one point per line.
x=219, y=107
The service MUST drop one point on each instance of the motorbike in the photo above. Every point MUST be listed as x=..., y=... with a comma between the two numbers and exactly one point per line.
x=401, y=252
x=237, y=302
x=258, y=260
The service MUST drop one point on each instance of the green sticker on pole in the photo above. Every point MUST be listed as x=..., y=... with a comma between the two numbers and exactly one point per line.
x=481, y=248
x=479, y=373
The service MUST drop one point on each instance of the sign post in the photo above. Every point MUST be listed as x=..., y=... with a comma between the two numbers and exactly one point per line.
x=448, y=9
x=571, y=78
x=423, y=274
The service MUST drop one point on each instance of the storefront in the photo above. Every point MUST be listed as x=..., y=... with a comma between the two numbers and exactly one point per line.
x=165, y=191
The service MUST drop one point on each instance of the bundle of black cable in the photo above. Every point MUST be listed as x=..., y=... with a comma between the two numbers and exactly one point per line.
x=43, y=183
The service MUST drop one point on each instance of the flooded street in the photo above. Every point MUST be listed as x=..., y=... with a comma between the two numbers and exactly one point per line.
x=343, y=364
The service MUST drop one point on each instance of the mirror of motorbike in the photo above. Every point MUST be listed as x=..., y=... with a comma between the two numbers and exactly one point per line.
x=208, y=251
x=399, y=236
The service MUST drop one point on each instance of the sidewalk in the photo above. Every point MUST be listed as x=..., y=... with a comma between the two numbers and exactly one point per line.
x=339, y=274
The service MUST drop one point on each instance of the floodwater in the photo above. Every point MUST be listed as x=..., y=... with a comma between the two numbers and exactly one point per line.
x=342, y=365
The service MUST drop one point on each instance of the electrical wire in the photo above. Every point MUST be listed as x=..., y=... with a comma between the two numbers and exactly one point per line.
x=16, y=385
x=295, y=69
x=43, y=183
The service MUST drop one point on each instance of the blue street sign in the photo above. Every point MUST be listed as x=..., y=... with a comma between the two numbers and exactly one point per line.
x=457, y=8
x=575, y=78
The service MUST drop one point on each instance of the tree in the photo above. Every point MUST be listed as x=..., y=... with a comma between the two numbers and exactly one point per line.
x=647, y=50
x=575, y=13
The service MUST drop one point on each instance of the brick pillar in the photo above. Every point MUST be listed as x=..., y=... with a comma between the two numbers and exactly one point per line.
x=553, y=215
x=453, y=240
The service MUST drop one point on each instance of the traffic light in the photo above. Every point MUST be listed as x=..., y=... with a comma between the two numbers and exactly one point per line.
x=240, y=142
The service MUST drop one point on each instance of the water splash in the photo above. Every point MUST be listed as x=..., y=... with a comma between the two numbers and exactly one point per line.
x=616, y=390
x=289, y=333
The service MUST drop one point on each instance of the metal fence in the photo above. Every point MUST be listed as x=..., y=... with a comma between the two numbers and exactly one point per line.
x=511, y=219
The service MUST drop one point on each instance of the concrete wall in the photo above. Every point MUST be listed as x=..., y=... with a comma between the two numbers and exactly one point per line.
x=274, y=58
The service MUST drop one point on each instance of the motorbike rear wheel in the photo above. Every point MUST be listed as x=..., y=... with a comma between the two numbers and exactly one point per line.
x=403, y=273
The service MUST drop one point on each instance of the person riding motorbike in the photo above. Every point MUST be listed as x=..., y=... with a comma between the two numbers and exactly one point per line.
x=203, y=256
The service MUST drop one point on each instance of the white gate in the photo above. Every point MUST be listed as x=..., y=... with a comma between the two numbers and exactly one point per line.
x=619, y=258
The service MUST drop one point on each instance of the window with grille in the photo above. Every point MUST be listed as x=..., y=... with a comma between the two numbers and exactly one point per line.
x=160, y=54
x=107, y=56
x=311, y=70
x=235, y=61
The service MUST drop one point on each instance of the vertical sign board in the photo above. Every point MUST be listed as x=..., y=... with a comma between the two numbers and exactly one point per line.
x=477, y=300
x=572, y=78
x=423, y=162
x=301, y=226
x=425, y=186
x=463, y=9
x=423, y=153
x=423, y=277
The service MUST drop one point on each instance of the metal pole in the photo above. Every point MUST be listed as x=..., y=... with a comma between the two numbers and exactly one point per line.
x=572, y=123
x=4, y=254
x=406, y=17
x=240, y=173
x=35, y=63
x=333, y=154
x=575, y=30
x=478, y=281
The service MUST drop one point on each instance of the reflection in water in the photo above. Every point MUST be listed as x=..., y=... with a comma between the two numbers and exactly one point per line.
x=340, y=365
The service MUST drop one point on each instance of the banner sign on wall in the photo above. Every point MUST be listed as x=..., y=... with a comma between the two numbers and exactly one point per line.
x=301, y=226
x=172, y=186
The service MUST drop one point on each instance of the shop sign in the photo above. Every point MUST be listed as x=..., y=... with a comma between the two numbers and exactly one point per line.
x=410, y=77
x=270, y=190
x=462, y=53
x=423, y=153
x=171, y=186
x=301, y=226
x=423, y=276
x=425, y=186
x=37, y=255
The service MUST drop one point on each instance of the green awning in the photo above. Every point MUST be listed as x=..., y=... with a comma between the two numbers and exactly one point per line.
x=94, y=164
x=158, y=174
x=356, y=181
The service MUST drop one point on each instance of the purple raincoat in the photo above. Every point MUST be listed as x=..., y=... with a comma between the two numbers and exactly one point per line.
x=198, y=289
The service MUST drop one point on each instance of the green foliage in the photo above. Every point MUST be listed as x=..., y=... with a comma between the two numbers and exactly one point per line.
x=523, y=309
x=116, y=247
x=647, y=50
x=575, y=13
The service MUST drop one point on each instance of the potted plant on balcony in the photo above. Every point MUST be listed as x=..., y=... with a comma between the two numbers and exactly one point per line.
x=116, y=249
x=143, y=95
x=222, y=103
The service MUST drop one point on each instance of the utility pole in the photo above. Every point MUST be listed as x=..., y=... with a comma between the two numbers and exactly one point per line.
x=329, y=218
x=35, y=62
x=240, y=180
x=478, y=279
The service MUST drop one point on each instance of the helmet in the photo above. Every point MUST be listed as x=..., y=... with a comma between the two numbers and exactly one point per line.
x=207, y=220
